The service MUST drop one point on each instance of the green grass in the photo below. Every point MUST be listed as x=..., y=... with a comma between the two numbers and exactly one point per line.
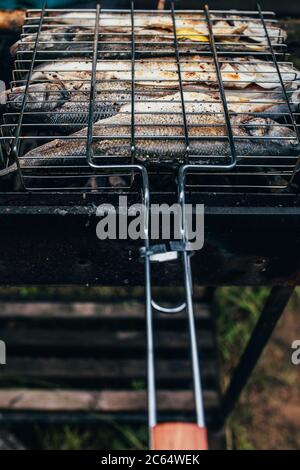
x=237, y=312
x=236, y=434
x=107, y=436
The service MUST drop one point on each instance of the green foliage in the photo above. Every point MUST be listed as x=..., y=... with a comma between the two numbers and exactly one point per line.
x=138, y=385
x=67, y=438
x=237, y=312
x=239, y=437
x=106, y=436
x=133, y=438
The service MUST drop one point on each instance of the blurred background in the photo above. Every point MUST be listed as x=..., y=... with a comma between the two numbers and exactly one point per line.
x=267, y=416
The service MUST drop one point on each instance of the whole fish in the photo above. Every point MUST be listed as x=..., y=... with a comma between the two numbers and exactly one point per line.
x=63, y=100
x=63, y=42
x=68, y=110
x=223, y=25
x=74, y=40
x=160, y=137
x=122, y=22
x=239, y=72
x=114, y=81
x=154, y=34
x=46, y=96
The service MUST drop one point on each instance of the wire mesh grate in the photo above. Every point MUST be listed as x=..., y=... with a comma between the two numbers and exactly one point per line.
x=157, y=88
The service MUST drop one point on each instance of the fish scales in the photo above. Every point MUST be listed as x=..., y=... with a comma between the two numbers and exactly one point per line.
x=239, y=72
x=65, y=86
x=163, y=119
x=235, y=32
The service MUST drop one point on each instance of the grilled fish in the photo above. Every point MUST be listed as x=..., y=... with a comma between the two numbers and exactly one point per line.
x=63, y=96
x=236, y=73
x=75, y=40
x=153, y=34
x=122, y=22
x=62, y=42
x=53, y=103
x=78, y=39
x=45, y=96
x=68, y=111
x=228, y=24
x=160, y=136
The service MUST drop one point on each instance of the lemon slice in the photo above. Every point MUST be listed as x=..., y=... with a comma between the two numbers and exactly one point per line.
x=191, y=34
x=255, y=47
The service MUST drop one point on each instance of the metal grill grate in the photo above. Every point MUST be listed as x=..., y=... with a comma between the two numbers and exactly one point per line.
x=157, y=88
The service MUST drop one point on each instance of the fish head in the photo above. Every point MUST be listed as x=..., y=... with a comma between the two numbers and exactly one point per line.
x=270, y=130
x=39, y=97
x=295, y=101
x=60, y=38
x=14, y=48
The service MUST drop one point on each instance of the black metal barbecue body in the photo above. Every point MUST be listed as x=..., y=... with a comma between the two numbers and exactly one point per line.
x=251, y=229
x=51, y=239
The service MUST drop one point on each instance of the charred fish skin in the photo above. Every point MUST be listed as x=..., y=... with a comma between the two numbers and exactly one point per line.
x=238, y=72
x=64, y=35
x=68, y=111
x=62, y=42
x=74, y=77
x=116, y=47
x=41, y=96
x=71, y=41
x=207, y=133
x=164, y=152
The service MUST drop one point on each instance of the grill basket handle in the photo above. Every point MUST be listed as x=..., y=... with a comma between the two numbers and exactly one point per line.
x=178, y=436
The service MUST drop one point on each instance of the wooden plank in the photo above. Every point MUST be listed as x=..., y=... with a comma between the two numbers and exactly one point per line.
x=9, y=442
x=99, y=369
x=69, y=310
x=81, y=339
x=113, y=294
x=85, y=310
x=103, y=401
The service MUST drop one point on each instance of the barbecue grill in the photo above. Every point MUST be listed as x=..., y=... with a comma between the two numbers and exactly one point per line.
x=247, y=196
x=231, y=172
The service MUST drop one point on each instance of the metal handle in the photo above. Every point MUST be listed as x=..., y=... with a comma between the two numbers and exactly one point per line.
x=179, y=436
x=184, y=255
x=160, y=308
x=158, y=432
